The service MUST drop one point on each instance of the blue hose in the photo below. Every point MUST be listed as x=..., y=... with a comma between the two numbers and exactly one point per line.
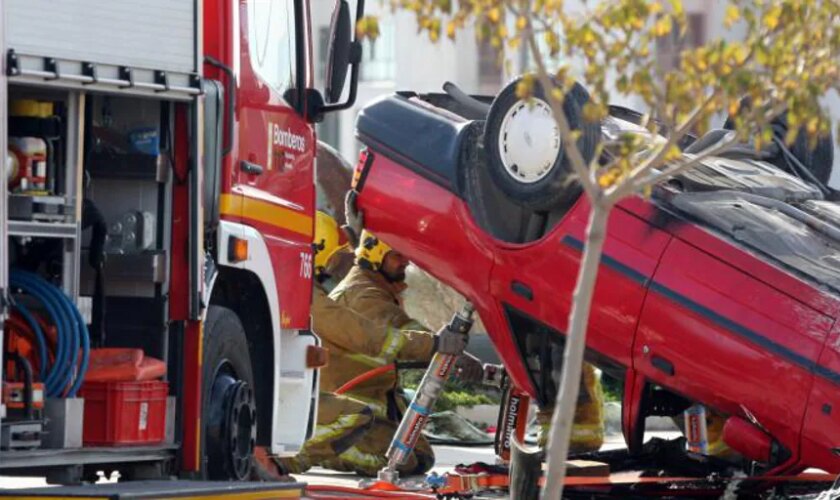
x=71, y=331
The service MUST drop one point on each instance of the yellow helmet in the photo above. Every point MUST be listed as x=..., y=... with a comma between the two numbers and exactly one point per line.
x=371, y=251
x=327, y=240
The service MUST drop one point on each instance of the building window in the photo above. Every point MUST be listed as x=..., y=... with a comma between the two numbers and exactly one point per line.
x=271, y=41
x=323, y=50
x=378, y=56
x=489, y=67
x=669, y=48
x=329, y=130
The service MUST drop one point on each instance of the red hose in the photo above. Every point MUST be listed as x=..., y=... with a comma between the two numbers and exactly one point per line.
x=363, y=493
x=364, y=377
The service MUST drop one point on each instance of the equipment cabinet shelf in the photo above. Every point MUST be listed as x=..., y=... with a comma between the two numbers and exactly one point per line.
x=34, y=229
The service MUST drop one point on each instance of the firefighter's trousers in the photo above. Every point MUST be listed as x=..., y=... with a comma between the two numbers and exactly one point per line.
x=342, y=422
x=367, y=456
x=588, y=426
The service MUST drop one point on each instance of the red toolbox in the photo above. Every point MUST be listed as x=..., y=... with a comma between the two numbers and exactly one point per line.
x=119, y=413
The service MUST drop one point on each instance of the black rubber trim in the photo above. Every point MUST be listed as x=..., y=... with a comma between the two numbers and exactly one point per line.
x=381, y=149
x=522, y=290
x=417, y=137
x=662, y=365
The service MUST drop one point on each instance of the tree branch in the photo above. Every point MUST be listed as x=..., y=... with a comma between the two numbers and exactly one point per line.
x=628, y=185
x=562, y=419
x=719, y=148
x=579, y=165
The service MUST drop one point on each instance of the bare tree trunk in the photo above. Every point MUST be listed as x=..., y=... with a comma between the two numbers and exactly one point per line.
x=564, y=407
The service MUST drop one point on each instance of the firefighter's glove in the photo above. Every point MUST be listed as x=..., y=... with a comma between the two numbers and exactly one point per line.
x=469, y=369
x=355, y=218
x=450, y=342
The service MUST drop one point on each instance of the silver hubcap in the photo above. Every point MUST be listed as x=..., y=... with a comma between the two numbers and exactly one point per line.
x=529, y=141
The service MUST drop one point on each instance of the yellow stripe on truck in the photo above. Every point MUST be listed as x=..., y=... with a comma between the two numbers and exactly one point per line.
x=265, y=212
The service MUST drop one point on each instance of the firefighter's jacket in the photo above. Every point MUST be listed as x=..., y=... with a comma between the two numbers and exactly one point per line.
x=357, y=345
x=371, y=295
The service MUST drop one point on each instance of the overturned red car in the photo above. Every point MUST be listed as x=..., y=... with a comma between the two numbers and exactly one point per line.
x=722, y=288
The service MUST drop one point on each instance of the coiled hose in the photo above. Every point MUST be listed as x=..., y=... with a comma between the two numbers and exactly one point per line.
x=65, y=376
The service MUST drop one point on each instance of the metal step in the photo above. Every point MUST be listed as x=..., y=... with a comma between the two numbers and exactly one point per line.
x=164, y=490
x=18, y=459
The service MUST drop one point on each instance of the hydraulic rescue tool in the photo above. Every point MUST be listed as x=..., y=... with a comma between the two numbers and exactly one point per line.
x=421, y=406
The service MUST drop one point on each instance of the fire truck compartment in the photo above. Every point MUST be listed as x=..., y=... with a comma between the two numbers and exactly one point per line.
x=134, y=47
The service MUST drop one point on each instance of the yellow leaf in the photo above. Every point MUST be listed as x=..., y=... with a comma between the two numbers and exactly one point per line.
x=591, y=112
x=812, y=125
x=673, y=153
x=450, y=30
x=524, y=88
x=662, y=27
x=771, y=18
x=732, y=15
x=521, y=23
x=608, y=179
x=494, y=15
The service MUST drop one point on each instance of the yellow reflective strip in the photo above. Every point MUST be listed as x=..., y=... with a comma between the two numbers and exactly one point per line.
x=267, y=213
x=584, y=432
x=414, y=325
x=360, y=458
x=367, y=360
x=334, y=429
x=376, y=406
x=394, y=342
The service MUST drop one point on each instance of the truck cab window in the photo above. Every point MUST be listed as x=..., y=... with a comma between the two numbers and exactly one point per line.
x=271, y=31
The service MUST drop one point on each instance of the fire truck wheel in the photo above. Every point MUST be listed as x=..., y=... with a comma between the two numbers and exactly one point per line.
x=524, y=147
x=230, y=412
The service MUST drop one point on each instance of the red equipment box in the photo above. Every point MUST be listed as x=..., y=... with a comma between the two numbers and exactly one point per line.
x=120, y=413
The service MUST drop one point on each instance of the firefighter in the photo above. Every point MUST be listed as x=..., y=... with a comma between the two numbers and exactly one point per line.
x=372, y=289
x=588, y=425
x=341, y=419
x=374, y=285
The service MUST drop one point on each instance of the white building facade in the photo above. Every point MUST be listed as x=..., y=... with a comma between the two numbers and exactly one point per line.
x=404, y=59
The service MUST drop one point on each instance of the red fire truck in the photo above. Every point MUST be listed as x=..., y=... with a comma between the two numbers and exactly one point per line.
x=156, y=217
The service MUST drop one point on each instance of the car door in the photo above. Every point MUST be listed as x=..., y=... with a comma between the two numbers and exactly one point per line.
x=722, y=327
x=275, y=184
x=538, y=280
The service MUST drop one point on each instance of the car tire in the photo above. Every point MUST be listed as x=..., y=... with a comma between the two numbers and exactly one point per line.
x=818, y=160
x=229, y=409
x=525, y=156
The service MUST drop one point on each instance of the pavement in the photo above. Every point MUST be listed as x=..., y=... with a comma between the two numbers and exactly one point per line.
x=446, y=458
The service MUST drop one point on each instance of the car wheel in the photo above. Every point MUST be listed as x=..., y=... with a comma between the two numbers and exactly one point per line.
x=524, y=147
x=229, y=408
x=818, y=160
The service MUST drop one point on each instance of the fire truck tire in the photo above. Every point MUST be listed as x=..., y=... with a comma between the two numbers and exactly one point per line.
x=229, y=408
x=525, y=154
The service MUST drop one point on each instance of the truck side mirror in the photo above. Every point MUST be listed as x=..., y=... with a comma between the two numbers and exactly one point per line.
x=342, y=54
x=338, y=52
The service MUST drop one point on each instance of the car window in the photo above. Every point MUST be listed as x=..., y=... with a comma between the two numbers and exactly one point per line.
x=271, y=36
